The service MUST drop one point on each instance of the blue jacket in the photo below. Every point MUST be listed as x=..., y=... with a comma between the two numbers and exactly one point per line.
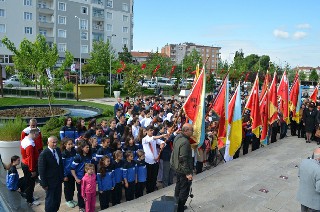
x=95, y=150
x=107, y=182
x=141, y=171
x=70, y=132
x=118, y=171
x=98, y=138
x=130, y=171
x=67, y=159
x=12, y=179
x=104, y=151
x=133, y=148
x=79, y=163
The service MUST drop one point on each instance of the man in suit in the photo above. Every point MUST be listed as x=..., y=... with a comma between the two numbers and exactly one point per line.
x=117, y=106
x=309, y=186
x=51, y=174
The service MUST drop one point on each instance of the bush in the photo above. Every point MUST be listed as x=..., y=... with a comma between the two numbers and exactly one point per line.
x=68, y=87
x=101, y=80
x=52, y=127
x=11, y=130
x=108, y=113
x=116, y=86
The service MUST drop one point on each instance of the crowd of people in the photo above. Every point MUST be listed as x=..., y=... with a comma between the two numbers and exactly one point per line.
x=129, y=153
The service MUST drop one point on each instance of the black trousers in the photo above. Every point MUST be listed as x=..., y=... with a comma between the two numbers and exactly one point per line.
x=129, y=192
x=199, y=166
x=293, y=128
x=80, y=199
x=182, y=190
x=140, y=188
x=246, y=143
x=104, y=198
x=255, y=143
x=152, y=173
x=69, y=188
x=274, y=132
x=117, y=194
x=301, y=130
x=29, y=182
x=53, y=198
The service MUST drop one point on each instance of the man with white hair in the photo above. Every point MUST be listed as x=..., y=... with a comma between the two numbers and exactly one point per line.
x=309, y=186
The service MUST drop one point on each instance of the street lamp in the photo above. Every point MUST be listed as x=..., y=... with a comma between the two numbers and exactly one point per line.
x=80, y=71
x=113, y=35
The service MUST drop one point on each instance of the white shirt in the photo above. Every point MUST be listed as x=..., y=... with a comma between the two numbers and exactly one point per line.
x=55, y=155
x=146, y=122
x=135, y=131
x=150, y=157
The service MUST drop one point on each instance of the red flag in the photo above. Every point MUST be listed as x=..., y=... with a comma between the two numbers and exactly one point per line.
x=143, y=66
x=253, y=106
x=246, y=78
x=283, y=93
x=265, y=85
x=314, y=95
x=172, y=70
x=294, y=93
x=155, y=70
x=219, y=106
x=264, y=111
x=273, y=103
x=119, y=70
x=123, y=66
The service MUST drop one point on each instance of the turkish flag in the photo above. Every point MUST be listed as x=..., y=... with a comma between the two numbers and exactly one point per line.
x=172, y=70
x=156, y=69
x=143, y=66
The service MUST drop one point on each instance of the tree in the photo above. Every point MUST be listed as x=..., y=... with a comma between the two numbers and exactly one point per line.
x=38, y=59
x=100, y=56
x=157, y=59
x=190, y=62
x=131, y=80
x=125, y=55
x=302, y=76
x=313, y=77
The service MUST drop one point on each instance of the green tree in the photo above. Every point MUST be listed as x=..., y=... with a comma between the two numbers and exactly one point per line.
x=131, y=80
x=156, y=59
x=291, y=75
x=313, y=77
x=100, y=57
x=35, y=59
x=125, y=55
x=190, y=63
x=302, y=76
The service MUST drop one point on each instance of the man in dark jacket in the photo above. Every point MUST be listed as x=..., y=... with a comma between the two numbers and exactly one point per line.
x=181, y=161
x=51, y=174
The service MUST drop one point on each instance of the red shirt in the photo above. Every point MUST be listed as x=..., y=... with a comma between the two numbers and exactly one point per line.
x=29, y=153
x=38, y=141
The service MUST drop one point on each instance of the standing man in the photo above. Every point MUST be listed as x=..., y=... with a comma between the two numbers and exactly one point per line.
x=38, y=141
x=51, y=174
x=29, y=164
x=117, y=106
x=181, y=161
x=309, y=186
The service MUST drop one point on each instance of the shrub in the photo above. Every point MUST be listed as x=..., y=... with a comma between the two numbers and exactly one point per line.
x=68, y=87
x=52, y=127
x=11, y=130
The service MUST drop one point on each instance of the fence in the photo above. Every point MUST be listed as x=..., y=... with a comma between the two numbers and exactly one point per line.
x=36, y=93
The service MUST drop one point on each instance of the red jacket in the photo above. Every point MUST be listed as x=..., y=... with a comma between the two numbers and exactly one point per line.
x=88, y=184
x=156, y=107
x=37, y=141
x=29, y=153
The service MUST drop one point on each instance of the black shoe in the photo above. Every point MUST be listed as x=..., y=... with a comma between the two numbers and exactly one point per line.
x=185, y=207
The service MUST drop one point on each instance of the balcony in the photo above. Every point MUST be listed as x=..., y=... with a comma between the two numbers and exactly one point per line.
x=46, y=24
x=98, y=2
x=46, y=10
x=98, y=27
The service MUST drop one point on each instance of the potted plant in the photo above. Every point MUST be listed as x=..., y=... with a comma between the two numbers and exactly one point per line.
x=116, y=89
x=10, y=132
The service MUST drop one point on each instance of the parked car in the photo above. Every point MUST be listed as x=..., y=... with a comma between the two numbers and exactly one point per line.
x=149, y=84
x=13, y=82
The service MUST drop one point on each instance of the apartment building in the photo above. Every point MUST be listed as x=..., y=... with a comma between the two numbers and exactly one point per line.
x=178, y=51
x=71, y=24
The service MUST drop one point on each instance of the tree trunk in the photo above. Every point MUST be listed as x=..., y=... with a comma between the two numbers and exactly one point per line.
x=49, y=99
x=40, y=95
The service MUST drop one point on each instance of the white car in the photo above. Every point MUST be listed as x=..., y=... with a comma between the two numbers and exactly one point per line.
x=12, y=82
x=149, y=84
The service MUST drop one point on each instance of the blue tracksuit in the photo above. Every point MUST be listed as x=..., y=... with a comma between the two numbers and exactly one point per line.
x=67, y=159
x=70, y=132
x=79, y=163
x=141, y=171
x=118, y=171
x=104, y=151
x=107, y=182
x=133, y=148
x=98, y=138
x=12, y=179
x=129, y=171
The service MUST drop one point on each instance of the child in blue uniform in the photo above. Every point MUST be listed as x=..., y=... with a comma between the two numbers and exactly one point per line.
x=118, y=176
x=105, y=148
x=106, y=182
x=141, y=173
x=12, y=179
x=68, y=153
x=130, y=145
x=129, y=176
x=77, y=169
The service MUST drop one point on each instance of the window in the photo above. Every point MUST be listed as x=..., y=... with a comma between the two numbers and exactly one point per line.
x=84, y=35
x=42, y=5
x=62, y=6
x=84, y=10
x=125, y=29
x=109, y=15
x=109, y=3
x=109, y=38
x=2, y=13
x=28, y=30
x=62, y=33
x=125, y=7
x=2, y=28
x=62, y=19
x=84, y=24
x=109, y=27
x=84, y=49
x=27, y=16
x=62, y=47
x=125, y=41
x=42, y=18
x=43, y=32
x=27, y=2
x=125, y=18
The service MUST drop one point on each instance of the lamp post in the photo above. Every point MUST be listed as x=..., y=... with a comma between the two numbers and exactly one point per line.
x=113, y=35
x=80, y=71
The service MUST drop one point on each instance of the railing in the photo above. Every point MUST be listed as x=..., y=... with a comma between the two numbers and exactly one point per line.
x=36, y=93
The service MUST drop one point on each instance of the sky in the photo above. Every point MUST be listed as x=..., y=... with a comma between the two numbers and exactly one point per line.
x=286, y=30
